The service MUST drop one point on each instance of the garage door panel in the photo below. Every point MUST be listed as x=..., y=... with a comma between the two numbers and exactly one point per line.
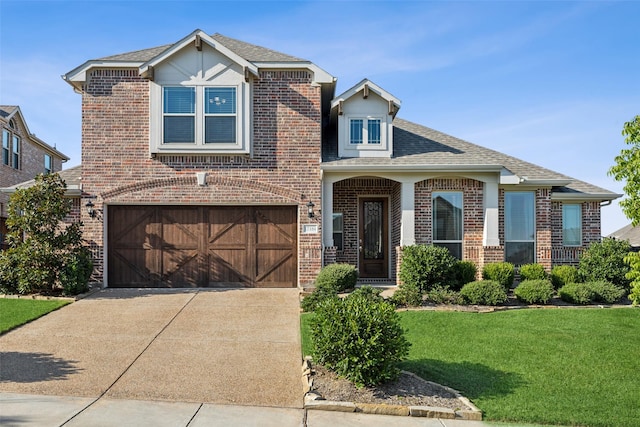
x=202, y=246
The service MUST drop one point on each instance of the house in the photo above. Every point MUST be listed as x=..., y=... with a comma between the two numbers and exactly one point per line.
x=215, y=162
x=630, y=234
x=23, y=157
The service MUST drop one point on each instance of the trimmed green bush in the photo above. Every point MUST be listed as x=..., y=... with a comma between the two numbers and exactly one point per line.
x=534, y=291
x=76, y=272
x=340, y=277
x=331, y=280
x=605, y=292
x=359, y=338
x=633, y=260
x=563, y=274
x=427, y=266
x=443, y=296
x=483, y=292
x=576, y=293
x=605, y=261
x=532, y=272
x=407, y=295
x=464, y=272
x=501, y=272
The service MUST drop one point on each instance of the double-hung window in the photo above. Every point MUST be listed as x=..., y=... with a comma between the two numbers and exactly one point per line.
x=16, y=152
x=219, y=115
x=447, y=221
x=364, y=131
x=338, y=228
x=48, y=166
x=179, y=115
x=571, y=224
x=6, y=147
x=519, y=227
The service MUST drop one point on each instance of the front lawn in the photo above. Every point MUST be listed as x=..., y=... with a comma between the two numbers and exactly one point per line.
x=16, y=312
x=551, y=366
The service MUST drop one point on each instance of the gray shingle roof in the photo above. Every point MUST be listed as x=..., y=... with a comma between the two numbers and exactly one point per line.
x=248, y=51
x=7, y=110
x=416, y=145
x=629, y=233
x=71, y=177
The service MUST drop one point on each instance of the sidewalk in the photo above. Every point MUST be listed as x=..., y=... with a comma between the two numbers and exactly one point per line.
x=22, y=410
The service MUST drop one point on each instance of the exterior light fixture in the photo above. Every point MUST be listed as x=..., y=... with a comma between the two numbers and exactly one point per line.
x=310, y=212
x=90, y=210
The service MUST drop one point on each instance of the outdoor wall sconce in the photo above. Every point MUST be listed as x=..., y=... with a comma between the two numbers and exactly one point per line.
x=90, y=210
x=310, y=206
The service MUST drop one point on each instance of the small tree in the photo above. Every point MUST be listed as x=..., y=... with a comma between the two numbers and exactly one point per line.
x=42, y=251
x=605, y=261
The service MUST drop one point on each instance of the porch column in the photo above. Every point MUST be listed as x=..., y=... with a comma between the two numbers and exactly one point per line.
x=408, y=218
x=490, y=235
x=327, y=212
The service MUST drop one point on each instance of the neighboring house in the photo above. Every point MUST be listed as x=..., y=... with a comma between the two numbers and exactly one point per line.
x=23, y=157
x=214, y=162
x=630, y=234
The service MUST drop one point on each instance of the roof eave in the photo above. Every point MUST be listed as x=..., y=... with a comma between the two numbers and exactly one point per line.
x=78, y=75
x=319, y=75
x=587, y=197
x=410, y=168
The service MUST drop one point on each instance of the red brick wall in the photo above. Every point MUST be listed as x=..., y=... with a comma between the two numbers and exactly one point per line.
x=590, y=233
x=283, y=168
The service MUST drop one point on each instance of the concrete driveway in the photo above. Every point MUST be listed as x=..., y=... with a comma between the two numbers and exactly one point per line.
x=239, y=346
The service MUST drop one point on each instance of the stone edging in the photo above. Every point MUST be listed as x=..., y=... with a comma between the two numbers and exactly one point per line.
x=313, y=400
x=91, y=291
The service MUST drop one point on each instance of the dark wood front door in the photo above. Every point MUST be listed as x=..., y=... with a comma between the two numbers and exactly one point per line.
x=374, y=238
x=202, y=246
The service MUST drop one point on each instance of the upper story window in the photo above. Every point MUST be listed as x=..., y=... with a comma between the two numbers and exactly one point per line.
x=48, y=164
x=364, y=131
x=519, y=227
x=447, y=221
x=220, y=115
x=179, y=110
x=6, y=147
x=16, y=152
x=571, y=225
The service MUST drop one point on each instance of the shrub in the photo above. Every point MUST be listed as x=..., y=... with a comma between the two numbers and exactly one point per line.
x=359, y=338
x=633, y=260
x=484, y=292
x=605, y=261
x=340, y=277
x=532, y=272
x=427, y=266
x=563, y=274
x=76, y=272
x=464, y=272
x=443, y=296
x=605, y=292
x=331, y=280
x=576, y=293
x=501, y=272
x=407, y=295
x=534, y=291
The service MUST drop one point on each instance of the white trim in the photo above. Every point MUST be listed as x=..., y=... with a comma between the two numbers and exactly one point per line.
x=319, y=75
x=372, y=87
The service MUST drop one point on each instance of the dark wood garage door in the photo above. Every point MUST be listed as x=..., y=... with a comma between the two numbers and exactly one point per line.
x=202, y=246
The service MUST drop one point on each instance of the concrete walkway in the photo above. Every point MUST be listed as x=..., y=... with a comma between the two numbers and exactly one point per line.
x=238, y=346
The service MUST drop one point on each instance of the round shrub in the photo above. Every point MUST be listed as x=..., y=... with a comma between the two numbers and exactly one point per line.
x=442, y=296
x=534, y=291
x=427, y=266
x=464, y=272
x=576, y=293
x=563, y=274
x=407, y=295
x=532, y=272
x=76, y=272
x=605, y=261
x=359, y=338
x=483, y=292
x=501, y=272
x=340, y=277
x=605, y=292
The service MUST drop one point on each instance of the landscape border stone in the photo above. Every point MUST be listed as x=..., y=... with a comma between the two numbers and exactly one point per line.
x=313, y=400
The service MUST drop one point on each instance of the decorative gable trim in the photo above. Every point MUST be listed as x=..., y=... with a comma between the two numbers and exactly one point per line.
x=366, y=86
x=198, y=37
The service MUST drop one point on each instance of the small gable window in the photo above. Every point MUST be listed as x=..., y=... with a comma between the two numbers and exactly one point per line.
x=364, y=131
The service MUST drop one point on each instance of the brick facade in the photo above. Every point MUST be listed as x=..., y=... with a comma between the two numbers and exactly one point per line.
x=282, y=169
x=591, y=233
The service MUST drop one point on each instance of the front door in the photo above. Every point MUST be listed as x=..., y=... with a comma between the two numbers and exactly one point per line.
x=374, y=237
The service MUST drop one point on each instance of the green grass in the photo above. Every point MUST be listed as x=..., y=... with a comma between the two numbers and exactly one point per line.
x=16, y=312
x=556, y=366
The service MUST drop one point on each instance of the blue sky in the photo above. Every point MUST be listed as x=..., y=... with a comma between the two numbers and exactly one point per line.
x=549, y=82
